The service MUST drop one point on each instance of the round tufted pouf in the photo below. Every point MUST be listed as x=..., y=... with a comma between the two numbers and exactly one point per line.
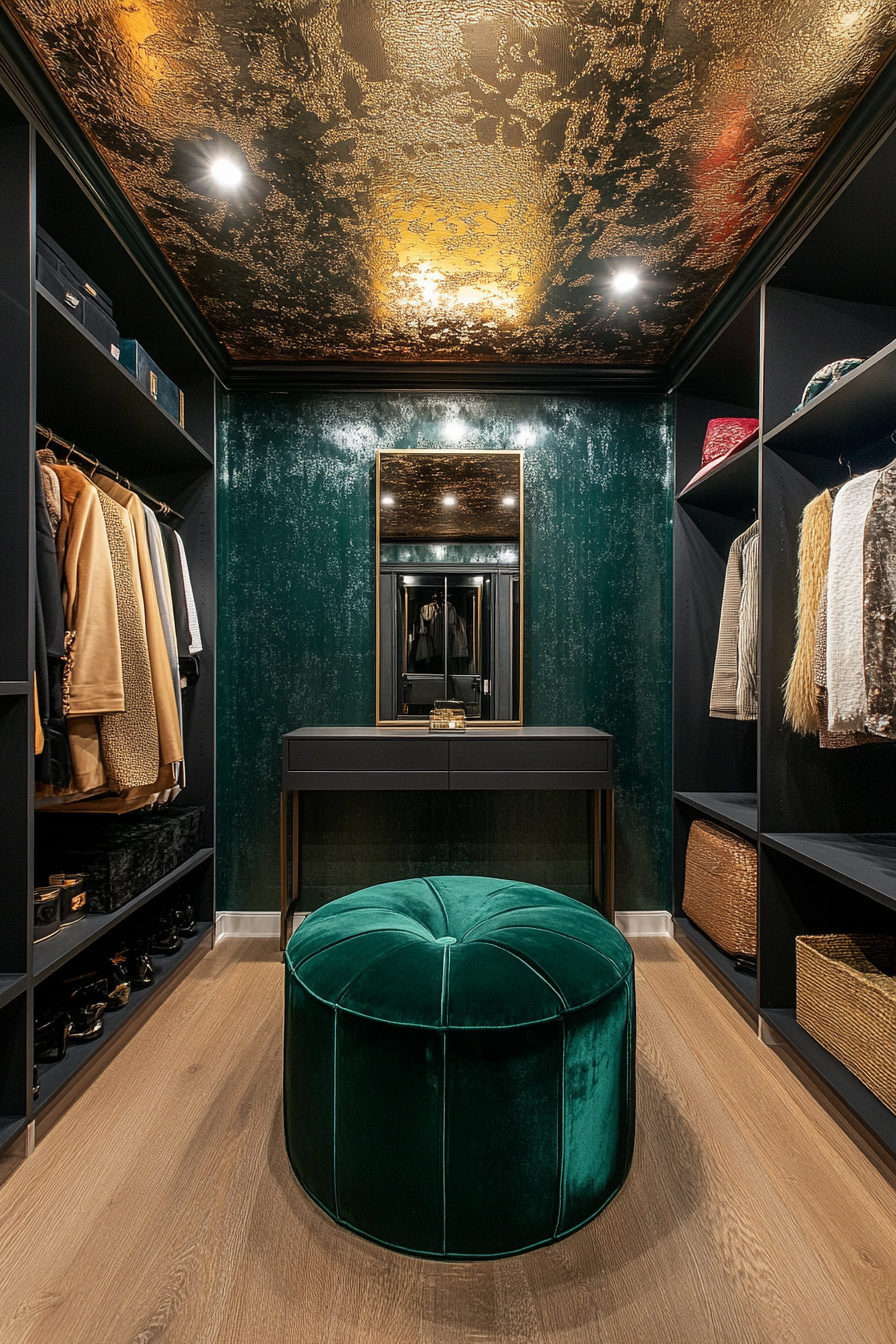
x=459, y=1064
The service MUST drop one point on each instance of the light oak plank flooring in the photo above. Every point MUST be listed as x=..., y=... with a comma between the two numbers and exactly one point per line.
x=161, y=1207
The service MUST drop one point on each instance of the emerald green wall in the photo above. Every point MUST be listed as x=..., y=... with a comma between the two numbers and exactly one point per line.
x=296, y=634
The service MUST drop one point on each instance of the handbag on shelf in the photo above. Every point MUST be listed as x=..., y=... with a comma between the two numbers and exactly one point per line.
x=724, y=437
x=720, y=887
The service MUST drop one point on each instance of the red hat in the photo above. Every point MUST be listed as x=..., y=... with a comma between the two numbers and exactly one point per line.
x=724, y=438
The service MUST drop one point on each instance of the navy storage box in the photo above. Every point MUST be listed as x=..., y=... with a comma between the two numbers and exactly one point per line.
x=72, y=287
x=150, y=376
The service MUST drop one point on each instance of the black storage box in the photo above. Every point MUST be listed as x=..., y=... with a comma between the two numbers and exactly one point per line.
x=121, y=856
x=66, y=281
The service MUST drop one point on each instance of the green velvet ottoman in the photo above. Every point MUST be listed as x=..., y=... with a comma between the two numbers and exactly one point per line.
x=459, y=1064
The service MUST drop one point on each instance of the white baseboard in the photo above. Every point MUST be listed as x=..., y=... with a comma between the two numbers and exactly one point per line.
x=250, y=924
x=644, y=923
x=266, y=923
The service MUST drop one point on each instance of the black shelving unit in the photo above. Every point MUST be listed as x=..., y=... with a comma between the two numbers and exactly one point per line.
x=53, y=372
x=824, y=821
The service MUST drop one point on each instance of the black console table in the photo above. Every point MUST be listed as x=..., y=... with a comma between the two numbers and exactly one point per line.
x=414, y=758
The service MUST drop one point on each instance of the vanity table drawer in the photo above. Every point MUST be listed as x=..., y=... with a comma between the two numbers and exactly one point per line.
x=523, y=755
x=387, y=754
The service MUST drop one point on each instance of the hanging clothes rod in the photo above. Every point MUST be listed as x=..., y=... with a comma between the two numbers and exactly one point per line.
x=96, y=465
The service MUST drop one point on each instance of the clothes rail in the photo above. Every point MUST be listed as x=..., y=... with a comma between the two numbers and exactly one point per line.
x=95, y=465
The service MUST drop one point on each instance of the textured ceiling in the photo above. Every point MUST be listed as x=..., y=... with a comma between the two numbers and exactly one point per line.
x=447, y=180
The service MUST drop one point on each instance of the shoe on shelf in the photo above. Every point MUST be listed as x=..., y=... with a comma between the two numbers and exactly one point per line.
x=52, y=1027
x=116, y=972
x=85, y=994
x=184, y=917
x=141, y=972
x=164, y=939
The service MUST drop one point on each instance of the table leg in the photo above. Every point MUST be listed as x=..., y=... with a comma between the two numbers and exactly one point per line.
x=284, y=891
x=604, y=856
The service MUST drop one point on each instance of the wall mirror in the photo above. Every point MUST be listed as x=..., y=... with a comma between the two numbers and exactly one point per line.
x=449, y=542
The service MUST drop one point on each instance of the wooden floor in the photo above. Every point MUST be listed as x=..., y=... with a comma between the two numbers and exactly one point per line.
x=161, y=1206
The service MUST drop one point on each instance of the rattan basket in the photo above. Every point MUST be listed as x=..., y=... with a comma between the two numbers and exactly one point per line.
x=720, y=887
x=846, y=999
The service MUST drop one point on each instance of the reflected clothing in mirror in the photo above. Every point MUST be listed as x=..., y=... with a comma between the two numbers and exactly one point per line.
x=456, y=636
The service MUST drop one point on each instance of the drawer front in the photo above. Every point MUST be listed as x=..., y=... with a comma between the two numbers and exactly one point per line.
x=365, y=781
x=371, y=754
x=530, y=779
x=534, y=754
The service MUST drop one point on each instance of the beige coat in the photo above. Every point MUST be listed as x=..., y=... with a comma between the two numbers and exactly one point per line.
x=170, y=742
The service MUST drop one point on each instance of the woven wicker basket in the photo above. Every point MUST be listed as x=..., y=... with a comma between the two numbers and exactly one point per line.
x=720, y=887
x=846, y=999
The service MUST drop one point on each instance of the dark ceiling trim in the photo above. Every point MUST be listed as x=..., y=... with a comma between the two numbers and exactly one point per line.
x=31, y=88
x=858, y=135
x=584, y=380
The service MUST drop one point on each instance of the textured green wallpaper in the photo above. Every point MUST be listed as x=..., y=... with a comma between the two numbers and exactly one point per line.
x=296, y=634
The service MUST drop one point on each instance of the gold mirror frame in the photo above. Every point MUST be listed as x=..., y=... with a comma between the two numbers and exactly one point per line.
x=472, y=724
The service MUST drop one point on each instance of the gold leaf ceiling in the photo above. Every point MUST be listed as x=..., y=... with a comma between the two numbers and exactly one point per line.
x=450, y=180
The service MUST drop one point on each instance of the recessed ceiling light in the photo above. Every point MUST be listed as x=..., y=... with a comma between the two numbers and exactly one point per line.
x=625, y=281
x=226, y=173
x=387, y=500
x=508, y=500
x=449, y=501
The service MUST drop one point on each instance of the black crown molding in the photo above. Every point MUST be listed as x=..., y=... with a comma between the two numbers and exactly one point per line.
x=858, y=135
x=539, y=379
x=31, y=89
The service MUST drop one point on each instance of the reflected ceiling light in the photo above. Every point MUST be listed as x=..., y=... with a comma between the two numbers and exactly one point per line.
x=625, y=281
x=508, y=500
x=226, y=173
x=453, y=430
x=449, y=501
x=525, y=437
x=387, y=500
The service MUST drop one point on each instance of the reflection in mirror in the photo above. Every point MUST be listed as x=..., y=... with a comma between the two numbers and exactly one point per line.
x=449, y=610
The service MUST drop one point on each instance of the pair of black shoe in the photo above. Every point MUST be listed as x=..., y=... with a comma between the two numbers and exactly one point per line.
x=74, y=1011
x=171, y=923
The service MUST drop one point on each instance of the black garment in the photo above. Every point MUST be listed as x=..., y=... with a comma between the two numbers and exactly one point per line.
x=176, y=578
x=54, y=764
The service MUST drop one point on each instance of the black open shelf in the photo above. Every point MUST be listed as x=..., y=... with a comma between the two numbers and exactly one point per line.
x=858, y=408
x=11, y=986
x=743, y=985
x=53, y=953
x=737, y=810
x=866, y=863
x=729, y=486
x=54, y=1076
x=13, y=688
x=863, y=1104
x=112, y=417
